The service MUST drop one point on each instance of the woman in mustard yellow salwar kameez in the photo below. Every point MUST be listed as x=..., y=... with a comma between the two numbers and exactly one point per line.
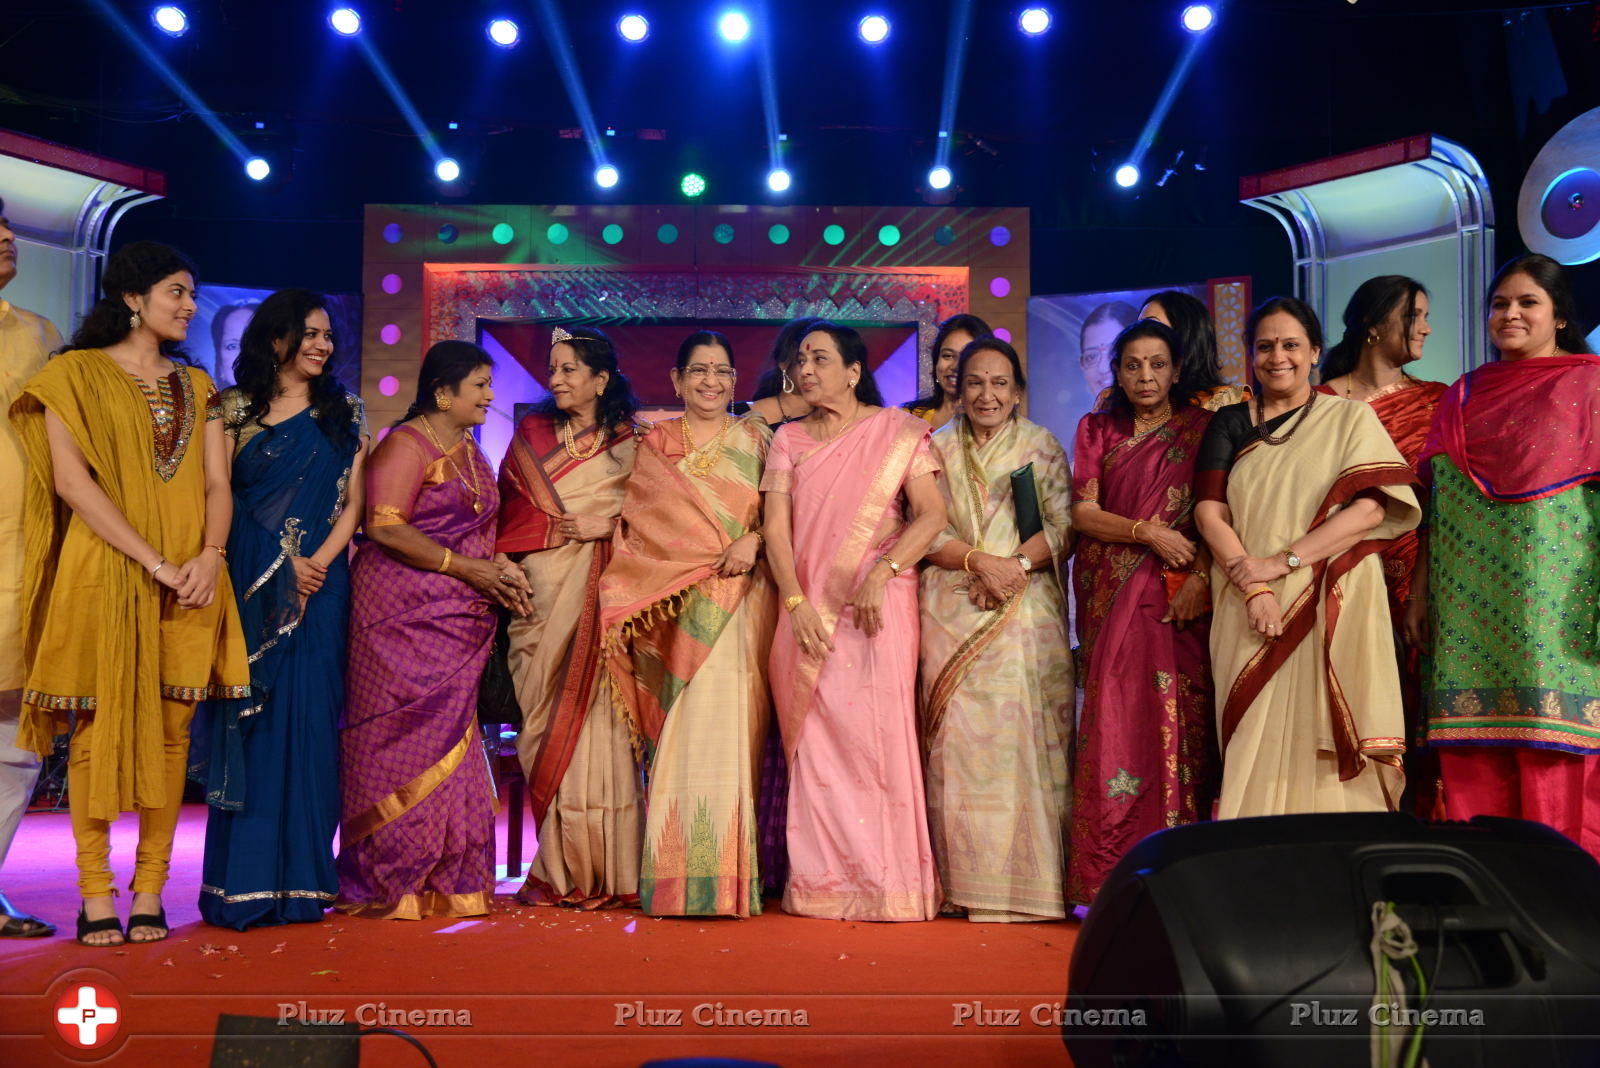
x=128, y=615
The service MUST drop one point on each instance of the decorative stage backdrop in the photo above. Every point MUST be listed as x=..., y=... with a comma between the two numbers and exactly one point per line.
x=500, y=274
x=1077, y=329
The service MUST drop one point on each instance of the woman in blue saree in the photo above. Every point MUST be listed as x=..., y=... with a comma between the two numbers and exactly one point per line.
x=272, y=781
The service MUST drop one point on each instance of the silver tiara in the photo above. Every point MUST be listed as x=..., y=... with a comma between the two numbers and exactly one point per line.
x=560, y=334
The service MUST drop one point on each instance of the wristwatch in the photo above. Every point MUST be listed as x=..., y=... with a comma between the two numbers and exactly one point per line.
x=1291, y=558
x=1022, y=558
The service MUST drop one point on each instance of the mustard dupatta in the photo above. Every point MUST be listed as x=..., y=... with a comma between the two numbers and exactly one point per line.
x=102, y=408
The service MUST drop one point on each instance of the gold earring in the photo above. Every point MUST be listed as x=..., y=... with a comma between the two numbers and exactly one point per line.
x=601, y=390
x=134, y=321
x=443, y=401
x=1373, y=338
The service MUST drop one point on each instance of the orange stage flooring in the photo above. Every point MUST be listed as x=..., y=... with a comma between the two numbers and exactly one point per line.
x=536, y=986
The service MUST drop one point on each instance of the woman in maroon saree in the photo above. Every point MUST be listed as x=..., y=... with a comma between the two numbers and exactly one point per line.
x=1146, y=754
x=417, y=828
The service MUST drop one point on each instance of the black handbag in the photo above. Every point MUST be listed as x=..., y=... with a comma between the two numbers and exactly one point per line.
x=497, y=694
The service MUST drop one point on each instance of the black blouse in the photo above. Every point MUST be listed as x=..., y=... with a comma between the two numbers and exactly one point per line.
x=1228, y=433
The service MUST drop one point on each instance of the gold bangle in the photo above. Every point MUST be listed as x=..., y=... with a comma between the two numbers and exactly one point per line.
x=1134, y=533
x=893, y=567
x=445, y=567
x=220, y=550
x=756, y=534
x=1253, y=594
x=791, y=603
x=965, y=560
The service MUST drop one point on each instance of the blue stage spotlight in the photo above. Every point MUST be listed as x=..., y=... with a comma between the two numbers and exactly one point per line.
x=1198, y=18
x=734, y=26
x=1034, y=20
x=606, y=176
x=874, y=29
x=1127, y=176
x=170, y=20
x=779, y=180
x=634, y=28
x=346, y=21
x=504, y=32
x=257, y=168
x=939, y=177
x=447, y=170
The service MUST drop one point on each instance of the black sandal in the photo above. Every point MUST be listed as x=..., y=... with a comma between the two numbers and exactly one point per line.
x=147, y=919
x=87, y=927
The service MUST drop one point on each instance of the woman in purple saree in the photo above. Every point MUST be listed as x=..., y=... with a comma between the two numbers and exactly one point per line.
x=417, y=830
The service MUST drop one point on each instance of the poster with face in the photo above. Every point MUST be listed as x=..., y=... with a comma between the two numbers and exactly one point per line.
x=223, y=312
x=1069, y=351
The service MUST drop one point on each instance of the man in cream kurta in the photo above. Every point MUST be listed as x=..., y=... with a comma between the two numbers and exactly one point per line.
x=26, y=341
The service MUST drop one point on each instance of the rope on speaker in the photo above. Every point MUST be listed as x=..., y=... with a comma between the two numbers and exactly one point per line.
x=1392, y=941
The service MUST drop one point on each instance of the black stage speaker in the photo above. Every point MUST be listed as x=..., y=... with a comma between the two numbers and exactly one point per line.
x=263, y=1042
x=1247, y=942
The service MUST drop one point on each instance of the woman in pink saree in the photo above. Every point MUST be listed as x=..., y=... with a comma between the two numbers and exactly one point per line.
x=844, y=660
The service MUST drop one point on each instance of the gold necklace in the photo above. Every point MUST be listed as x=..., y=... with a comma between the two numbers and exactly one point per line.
x=701, y=461
x=568, y=439
x=846, y=425
x=1145, y=424
x=461, y=472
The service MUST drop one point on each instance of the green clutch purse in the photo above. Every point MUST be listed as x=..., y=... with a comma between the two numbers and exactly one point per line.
x=1025, y=499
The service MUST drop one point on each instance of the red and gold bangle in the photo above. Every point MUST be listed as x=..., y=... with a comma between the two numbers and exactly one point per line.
x=1257, y=592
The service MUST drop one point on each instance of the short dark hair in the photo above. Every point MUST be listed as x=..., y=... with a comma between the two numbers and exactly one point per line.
x=990, y=343
x=1290, y=306
x=698, y=338
x=1548, y=276
x=853, y=351
x=1117, y=399
x=446, y=366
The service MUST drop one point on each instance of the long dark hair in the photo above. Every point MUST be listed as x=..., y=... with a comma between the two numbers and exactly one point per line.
x=1370, y=305
x=698, y=338
x=1271, y=306
x=853, y=351
x=971, y=324
x=133, y=269
x=785, y=349
x=282, y=317
x=1548, y=276
x=1180, y=394
x=446, y=366
x=1197, y=337
x=617, y=406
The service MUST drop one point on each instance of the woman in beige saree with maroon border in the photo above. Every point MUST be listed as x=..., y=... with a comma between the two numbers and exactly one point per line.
x=1295, y=506
x=561, y=491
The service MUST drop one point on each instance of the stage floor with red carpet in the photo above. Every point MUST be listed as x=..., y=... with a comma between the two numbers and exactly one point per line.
x=528, y=986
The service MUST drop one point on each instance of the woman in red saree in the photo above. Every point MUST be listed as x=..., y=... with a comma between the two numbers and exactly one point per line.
x=687, y=612
x=1146, y=756
x=844, y=660
x=561, y=490
x=1385, y=326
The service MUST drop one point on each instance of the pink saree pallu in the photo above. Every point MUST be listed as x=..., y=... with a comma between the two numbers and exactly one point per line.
x=858, y=831
x=417, y=825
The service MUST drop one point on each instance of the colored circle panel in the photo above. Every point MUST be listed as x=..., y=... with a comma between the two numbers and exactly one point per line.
x=502, y=233
x=612, y=234
x=833, y=234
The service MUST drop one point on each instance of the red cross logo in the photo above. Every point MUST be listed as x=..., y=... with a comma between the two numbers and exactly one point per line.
x=87, y=1015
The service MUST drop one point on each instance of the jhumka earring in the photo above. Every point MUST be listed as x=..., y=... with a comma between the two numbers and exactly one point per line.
x=134, y=321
